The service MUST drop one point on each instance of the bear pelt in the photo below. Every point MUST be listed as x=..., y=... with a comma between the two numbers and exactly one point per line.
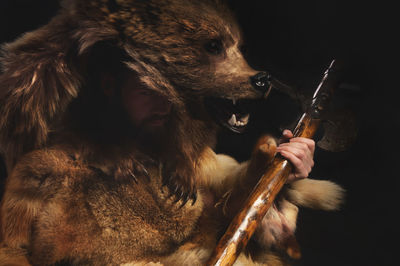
x=86, y=186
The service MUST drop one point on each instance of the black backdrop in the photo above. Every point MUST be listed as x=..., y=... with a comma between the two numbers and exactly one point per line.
x=295, y=41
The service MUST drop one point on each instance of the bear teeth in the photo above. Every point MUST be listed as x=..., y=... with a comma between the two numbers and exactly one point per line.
x=245, y=119
x=233, y=121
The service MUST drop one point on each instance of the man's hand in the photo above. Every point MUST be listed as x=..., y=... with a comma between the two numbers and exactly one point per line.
x=300, y=152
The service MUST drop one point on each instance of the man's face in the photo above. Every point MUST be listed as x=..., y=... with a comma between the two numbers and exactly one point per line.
x=146, y=109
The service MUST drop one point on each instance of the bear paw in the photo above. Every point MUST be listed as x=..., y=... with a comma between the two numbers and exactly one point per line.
x=262, y=155
x=180, y=185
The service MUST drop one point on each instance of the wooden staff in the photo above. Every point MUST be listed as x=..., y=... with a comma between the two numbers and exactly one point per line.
x=260, y=200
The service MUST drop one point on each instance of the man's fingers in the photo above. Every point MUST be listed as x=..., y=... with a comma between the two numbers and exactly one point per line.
x=304, y=156
x=298, y=164
x=301, y=160
x=309, y=142
x=287, y=134
x=299, y=151
x=298, y=145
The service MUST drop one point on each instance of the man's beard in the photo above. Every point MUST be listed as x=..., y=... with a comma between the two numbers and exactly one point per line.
x=153, y=138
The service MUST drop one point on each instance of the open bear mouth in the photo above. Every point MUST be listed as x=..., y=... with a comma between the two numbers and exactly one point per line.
x=229, y=113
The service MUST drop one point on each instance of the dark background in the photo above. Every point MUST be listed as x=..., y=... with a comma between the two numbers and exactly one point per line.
x=295, y=41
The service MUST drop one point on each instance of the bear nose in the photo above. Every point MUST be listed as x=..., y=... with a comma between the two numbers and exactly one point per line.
x=261, y=81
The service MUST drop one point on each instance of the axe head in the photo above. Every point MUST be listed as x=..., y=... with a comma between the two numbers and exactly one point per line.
x=339, y=121
x=340, y=131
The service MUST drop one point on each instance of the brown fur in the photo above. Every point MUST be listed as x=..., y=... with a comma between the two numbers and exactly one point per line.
x=81, y=188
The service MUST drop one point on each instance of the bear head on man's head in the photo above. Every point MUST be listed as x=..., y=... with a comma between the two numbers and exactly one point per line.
x=155, y=73
x=186, y=51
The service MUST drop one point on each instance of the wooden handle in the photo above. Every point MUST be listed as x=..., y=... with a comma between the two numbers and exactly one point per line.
x=260, y=200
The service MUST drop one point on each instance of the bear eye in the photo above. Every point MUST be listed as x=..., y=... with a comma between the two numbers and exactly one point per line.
x=214, y=46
